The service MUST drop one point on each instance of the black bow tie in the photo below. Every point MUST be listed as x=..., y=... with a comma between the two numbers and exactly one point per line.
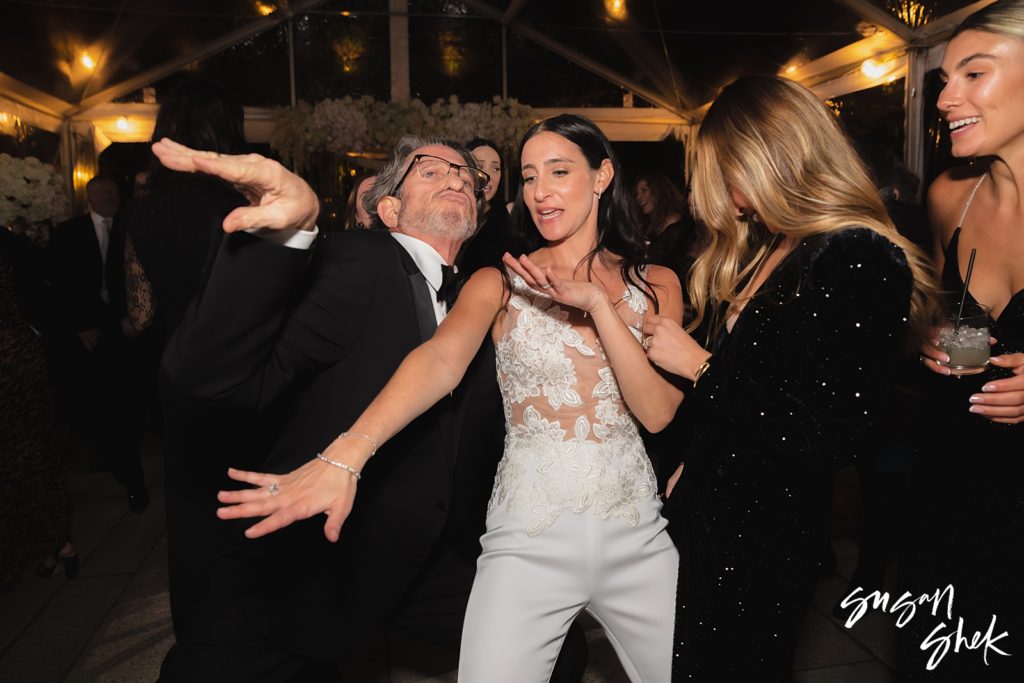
x=450, y=285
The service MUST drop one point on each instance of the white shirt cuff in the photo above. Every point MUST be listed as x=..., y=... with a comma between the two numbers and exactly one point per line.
x=294, y=238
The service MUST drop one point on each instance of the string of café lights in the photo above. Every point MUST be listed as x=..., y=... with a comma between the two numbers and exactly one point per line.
x=417, y=15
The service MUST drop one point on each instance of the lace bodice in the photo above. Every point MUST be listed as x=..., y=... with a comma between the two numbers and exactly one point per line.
x=570, y=441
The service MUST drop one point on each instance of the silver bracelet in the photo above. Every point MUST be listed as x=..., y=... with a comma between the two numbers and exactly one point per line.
x=348, y=468
x=373, y=444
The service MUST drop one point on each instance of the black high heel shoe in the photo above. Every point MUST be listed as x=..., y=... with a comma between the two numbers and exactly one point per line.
x=66, y=555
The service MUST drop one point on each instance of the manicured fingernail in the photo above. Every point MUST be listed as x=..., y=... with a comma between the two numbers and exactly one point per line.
x=945, y=358
x=977, y=399
x=976, y=409
x=989, y=387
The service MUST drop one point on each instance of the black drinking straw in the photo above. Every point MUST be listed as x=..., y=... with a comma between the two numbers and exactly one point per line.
x=967, y=283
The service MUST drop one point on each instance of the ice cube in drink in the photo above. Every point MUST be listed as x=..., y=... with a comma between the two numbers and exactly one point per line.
x=967, y=345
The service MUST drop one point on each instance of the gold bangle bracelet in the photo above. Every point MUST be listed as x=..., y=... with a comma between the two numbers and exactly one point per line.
x=701, y=369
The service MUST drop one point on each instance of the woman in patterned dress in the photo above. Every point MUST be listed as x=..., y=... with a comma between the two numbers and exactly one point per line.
x=36, y=505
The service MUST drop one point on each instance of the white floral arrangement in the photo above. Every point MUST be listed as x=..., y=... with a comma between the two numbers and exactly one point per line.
x=365, y=124
x=32, y=197
x=502, y=120
x=338, y=126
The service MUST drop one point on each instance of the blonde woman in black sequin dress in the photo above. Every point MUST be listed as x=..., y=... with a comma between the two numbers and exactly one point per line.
x=808, y=292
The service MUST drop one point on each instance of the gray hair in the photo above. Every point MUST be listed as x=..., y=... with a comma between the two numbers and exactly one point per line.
x=397, y=164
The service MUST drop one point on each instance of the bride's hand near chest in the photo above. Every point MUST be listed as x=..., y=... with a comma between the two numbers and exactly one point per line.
x=583, y=295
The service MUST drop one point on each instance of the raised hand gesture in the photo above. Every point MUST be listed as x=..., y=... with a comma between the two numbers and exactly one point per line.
x=279, y=199
x=582, y=295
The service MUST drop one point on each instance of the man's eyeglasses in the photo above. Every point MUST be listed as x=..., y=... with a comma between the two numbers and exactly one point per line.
x=435, y=169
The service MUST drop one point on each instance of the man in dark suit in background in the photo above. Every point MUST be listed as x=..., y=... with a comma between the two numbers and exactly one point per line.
x=96, y=360
x=311, y=348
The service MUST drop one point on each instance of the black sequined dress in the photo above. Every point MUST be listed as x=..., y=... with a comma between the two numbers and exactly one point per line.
x=792, y=394
x=967, y=526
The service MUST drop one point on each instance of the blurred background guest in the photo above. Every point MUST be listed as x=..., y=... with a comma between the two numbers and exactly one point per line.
x=174, y=234
x=670, y=231
x=36, y=504
x=96, y=360
x=491, y=239
x=356, y=215
x=668, y=225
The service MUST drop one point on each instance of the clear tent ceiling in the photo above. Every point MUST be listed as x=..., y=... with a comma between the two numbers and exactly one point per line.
x=677, y=53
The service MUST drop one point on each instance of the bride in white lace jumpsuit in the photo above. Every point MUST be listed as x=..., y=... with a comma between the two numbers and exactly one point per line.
x=574, y=519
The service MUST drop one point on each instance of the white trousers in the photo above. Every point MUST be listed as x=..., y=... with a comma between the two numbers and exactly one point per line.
x=528, y=590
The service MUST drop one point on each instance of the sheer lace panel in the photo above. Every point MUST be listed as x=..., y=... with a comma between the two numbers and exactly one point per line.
x=571, y=443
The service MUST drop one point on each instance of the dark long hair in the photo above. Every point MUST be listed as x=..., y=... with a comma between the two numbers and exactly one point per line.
x=667, y=200
x=499, y=196
x=202, y=115
x=618, y=230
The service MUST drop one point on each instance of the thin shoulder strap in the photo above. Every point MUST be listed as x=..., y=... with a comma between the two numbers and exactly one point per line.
x=970, y=199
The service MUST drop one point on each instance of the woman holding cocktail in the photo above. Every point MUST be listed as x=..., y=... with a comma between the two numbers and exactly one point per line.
x=968, y=475
x=807, y=290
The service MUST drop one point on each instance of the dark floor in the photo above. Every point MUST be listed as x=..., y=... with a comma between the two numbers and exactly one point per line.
x=113, y=622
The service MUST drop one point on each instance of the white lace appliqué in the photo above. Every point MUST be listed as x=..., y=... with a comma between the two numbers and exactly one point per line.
x=560, y=452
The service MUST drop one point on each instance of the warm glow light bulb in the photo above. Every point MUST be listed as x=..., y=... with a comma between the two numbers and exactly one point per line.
x=791, y=70
x=122, y=123
x=873, y=69
x=87, y=61
x=616, y=9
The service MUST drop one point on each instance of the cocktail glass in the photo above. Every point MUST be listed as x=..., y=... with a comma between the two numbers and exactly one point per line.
x=966, y=343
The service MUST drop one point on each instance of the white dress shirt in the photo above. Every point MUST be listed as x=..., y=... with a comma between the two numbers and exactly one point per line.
x=429, y=262
x=102, y=226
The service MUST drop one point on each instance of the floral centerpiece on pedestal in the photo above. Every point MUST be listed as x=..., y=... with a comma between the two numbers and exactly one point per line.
x=32, y=197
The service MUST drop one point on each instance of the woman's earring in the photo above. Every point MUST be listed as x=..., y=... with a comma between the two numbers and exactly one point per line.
x=748, y=216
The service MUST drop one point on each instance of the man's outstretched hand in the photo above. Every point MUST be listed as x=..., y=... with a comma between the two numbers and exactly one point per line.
x=279, y=199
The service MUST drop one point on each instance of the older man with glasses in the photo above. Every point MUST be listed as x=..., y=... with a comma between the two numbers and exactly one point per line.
x=310, y=346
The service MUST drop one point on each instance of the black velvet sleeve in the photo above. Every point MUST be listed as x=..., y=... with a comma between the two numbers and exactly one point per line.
x=262, y=320
x=807, y=378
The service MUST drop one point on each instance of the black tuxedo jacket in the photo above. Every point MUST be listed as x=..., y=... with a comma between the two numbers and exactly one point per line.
x=79, y=273
x=311, y=349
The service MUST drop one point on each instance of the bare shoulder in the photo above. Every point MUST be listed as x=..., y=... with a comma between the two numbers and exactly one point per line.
x=485, y=285
x=667, y=290
x=660, y=276
x=948, y=195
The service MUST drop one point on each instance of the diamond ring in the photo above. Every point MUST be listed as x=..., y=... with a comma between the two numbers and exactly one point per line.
x=273, y=489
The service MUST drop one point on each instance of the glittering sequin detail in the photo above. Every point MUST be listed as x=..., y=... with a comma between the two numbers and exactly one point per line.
x=571, y=443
